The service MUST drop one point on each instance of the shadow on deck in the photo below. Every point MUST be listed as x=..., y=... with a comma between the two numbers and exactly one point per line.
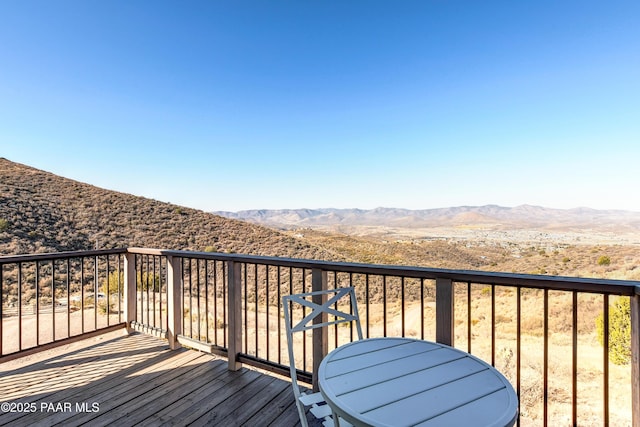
x=137, y=380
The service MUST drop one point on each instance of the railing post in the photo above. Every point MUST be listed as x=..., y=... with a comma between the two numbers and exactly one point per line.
x=635, y=358
x=174, y=301
x=130, y=302
x=444, y=311
x=234, y=313
x=320, y=335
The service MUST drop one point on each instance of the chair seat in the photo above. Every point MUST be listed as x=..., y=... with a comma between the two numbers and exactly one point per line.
x=320, y=411
x=308, y=399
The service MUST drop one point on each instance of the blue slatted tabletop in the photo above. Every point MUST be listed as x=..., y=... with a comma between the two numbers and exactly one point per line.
x=408, y=382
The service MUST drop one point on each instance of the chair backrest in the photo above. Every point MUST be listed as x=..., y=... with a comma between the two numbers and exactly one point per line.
x=335, y=316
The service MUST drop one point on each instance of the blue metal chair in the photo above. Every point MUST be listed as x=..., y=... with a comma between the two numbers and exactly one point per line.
x=315, y=400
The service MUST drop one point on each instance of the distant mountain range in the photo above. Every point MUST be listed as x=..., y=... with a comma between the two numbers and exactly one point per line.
x=490, y=217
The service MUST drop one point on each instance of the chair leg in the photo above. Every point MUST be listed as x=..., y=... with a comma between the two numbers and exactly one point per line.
x=302, y=414
x=336, y=419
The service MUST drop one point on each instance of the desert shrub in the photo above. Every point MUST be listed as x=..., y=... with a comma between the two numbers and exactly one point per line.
x=115, y=283
x=210, y=249
x=619, y=331
x=604, y=260
x=104, y=308
x=148, y=281
x=144, y=281
x=4, y=224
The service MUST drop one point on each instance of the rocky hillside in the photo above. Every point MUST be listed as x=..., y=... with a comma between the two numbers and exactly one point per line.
x=43, y=212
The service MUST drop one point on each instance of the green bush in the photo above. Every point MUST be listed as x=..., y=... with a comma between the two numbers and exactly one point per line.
x=619, y=331
x=116, y=283
x=4, y=224
x=604, y=260
x=148, y=281
x=144, y=281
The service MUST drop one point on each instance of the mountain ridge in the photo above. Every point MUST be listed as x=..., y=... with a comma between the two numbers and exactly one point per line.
x=489, y=216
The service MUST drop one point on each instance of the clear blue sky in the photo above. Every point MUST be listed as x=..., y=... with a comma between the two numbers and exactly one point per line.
x=287, y=104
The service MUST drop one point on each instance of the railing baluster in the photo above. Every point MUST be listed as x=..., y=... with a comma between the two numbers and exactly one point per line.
x=120, y=290
x=278, y=302
x=255, y=317
x=37, y=273
x=350, y=308
x=82, y=279
x=518, y=343
x=20, y=308
x=68, y=283
x=493, y=325
x=268, y=332
x=402, y=305
x=246, y=307
x=468, y=317
x=605, y=362
x=148, y=284
x=95, y=293
x=53, y=301
x=225, y=298
x=545, y=388
x=335, y=306
x=635, y=357
x=384, y=306
x=367, y=303
x=422, y=308
x=304, y=313
x=574, y=359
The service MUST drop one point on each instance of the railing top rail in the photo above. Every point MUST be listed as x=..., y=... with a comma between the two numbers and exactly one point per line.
x=12, y=259
x=580, y=284
x=563, y=283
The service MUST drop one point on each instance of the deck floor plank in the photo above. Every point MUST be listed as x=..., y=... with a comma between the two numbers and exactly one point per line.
x=137, y=380
x=106, y=385
x=236, y=403
x=132, y=394
x=173, y=412
x=155, y=400
x=272, y=409
x=256, y=404
x=202, y=401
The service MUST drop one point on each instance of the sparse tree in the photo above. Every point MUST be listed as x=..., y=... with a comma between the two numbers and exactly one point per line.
x=619, y=331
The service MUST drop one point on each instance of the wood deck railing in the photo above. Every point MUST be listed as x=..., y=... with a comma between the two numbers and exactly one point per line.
x=538, y=330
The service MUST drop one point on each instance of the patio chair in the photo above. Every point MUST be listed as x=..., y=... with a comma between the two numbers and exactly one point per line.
x=319, y=408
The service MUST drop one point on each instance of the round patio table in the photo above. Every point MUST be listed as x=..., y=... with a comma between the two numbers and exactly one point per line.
x=406, y=382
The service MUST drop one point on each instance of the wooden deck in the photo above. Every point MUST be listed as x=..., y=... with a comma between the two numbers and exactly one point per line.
x=136, y=380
